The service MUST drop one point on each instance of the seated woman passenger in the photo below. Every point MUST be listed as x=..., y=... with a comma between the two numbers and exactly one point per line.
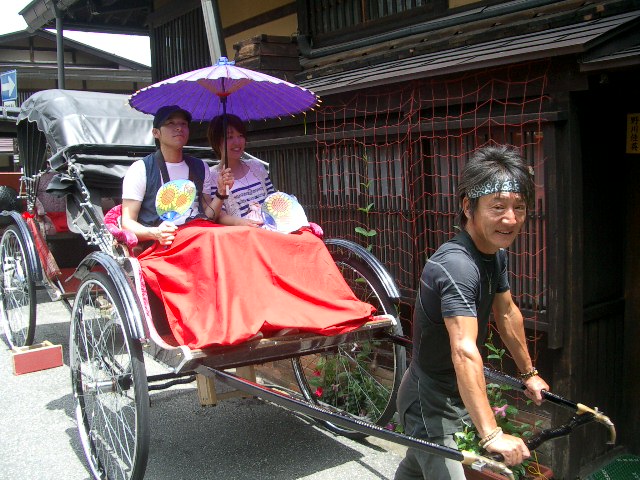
x=252, y=183
x=145, y=177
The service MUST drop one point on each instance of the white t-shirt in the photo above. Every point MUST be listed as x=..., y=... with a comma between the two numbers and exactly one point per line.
x=134, y=184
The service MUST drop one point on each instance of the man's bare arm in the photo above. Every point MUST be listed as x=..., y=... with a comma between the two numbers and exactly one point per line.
x=510, y=325
x=467, y=361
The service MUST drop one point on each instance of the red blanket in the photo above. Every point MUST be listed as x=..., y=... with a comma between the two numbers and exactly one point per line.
x=221, y=285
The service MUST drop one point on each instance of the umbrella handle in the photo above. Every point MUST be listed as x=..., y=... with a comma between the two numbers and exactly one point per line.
x=223, y=100
x=224, y=164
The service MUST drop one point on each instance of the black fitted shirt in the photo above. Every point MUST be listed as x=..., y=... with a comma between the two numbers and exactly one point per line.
x=458, y=280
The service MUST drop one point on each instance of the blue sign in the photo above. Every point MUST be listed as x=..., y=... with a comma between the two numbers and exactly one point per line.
x=9, y=82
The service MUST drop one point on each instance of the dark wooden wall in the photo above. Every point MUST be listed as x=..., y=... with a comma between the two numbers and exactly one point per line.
x=179, y=38
x=631, y=379
x=591, y=357
x=610, y=248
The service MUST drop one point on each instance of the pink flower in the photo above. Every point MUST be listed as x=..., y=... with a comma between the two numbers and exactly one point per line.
x=500, y=411
x=318, y=392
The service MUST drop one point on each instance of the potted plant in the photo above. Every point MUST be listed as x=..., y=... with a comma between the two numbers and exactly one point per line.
x=506, y=417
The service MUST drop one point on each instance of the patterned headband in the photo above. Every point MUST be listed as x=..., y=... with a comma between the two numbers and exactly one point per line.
x=495, y=185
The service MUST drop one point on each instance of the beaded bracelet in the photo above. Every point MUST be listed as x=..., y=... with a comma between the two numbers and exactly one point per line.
x=490, y=437
x=532, y=373
x=221, y=197
x=486, y=444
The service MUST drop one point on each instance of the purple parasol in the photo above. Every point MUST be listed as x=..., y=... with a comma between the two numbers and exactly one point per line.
x=248, y=94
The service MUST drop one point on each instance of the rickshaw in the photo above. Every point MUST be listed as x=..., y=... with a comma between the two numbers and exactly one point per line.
x=74, y=149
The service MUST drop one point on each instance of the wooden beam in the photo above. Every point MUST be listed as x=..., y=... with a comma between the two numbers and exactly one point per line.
x=261, y=19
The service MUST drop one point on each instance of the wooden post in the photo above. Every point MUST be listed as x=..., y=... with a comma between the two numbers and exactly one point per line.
x=206, y=390
x=209, y=396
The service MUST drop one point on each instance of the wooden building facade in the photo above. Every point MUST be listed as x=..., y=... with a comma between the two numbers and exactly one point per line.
x=410, y=88
x=561, y=77
x=33, y=56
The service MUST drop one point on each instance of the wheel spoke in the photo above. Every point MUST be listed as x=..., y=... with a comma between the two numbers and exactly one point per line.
x=109, y=393
x=373, y=389
x=360, y=379
x=17, y=306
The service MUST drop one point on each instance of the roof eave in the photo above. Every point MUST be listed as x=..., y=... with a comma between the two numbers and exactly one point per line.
x=559, y=42
x=39, y=13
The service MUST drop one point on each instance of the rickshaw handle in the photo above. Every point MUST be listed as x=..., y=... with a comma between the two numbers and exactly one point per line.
x=580, y=410
x=475, y=461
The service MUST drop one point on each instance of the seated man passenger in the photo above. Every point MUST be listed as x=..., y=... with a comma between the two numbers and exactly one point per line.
x=145, y=177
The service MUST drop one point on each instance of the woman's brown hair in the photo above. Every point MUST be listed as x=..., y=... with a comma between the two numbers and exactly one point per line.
x=215, y=135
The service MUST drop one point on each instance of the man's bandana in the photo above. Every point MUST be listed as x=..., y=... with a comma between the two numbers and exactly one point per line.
x=494, y=185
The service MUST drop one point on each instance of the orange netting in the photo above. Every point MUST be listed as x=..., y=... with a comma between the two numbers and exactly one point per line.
x=388, y=164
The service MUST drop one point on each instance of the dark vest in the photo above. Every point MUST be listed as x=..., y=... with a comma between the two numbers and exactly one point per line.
x=154, y=165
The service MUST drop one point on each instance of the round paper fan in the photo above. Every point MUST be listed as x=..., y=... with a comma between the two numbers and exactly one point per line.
x=283, y=211
x=174, y=199
x=278, y=204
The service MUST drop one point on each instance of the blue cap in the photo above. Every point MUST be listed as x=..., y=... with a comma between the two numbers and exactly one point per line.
x=165, y=112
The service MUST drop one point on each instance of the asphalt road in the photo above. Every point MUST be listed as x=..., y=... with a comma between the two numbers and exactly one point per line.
x=236, y=440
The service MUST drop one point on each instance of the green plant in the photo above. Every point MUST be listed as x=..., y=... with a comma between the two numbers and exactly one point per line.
x=346, y=381
x=365, y=231
x=506, y=416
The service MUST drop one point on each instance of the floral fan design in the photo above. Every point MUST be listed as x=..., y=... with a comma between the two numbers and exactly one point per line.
x=174, y=199
x=283, y=212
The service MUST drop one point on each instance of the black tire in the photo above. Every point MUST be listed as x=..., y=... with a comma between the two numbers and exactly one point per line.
x=109, y=383
x=359, y=379
x=17, y=289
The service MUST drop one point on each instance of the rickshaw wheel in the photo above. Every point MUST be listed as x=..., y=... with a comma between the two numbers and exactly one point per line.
x=18, y=303
x=360, y=379
x=109, y=383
